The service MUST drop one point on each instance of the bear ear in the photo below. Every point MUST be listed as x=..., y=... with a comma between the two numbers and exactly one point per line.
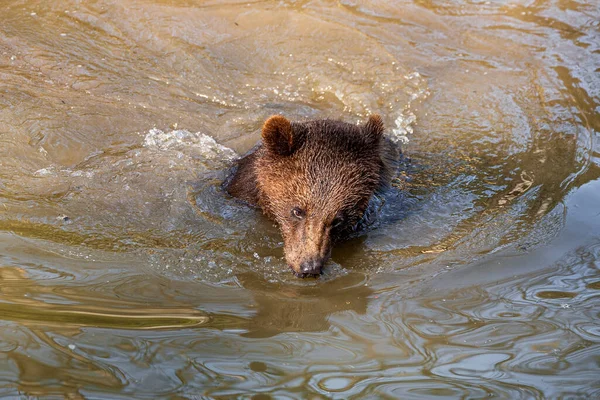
x=278, y=135
x=374, y=128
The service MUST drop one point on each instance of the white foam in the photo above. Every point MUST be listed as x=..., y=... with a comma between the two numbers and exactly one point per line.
x=406, y=119
x=181, y=139
x=85, y=174
x=45, y=172
x=404, y=127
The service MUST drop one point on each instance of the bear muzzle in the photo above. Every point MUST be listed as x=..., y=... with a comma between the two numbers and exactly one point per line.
x=308, y=247
x=312, y=267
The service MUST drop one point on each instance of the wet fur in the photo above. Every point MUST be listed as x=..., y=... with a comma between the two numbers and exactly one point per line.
x=328, y=169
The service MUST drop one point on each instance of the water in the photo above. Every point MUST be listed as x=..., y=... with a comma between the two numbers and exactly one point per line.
x=126, y=272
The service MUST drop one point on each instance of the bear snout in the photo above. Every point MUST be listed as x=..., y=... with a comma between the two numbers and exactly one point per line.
x=312, y=267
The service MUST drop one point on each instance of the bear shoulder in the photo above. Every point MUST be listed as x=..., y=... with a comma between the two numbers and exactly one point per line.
x=242, y=182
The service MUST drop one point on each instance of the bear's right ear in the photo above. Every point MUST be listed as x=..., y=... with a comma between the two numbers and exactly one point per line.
x=374, y=128
x=278, y=135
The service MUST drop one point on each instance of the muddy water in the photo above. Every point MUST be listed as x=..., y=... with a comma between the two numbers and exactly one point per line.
x=125, y=272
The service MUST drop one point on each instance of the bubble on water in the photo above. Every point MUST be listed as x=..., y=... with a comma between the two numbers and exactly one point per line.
x=85, y=174
x=44, y=172
x=64, y=218
x=193, y=263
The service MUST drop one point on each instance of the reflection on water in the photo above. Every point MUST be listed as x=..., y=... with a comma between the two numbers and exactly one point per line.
x=126, y=272
x=282, y=307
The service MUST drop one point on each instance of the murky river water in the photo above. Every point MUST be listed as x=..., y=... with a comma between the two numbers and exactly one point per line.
x=125, y=272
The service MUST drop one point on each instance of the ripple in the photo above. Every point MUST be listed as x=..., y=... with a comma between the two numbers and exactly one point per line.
x=594, y=285
x=336, y=384
x=149, y=319
x=555, y=294
x=126, y=271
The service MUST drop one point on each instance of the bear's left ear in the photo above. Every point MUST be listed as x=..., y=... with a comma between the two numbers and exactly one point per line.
x=374, y=128
x=278, y=135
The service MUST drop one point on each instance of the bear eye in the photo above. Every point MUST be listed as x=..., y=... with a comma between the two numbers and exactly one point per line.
x=297, y=212
x=337, y=221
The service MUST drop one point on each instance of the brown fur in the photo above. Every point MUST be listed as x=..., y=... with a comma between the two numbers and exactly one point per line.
x=315, y=179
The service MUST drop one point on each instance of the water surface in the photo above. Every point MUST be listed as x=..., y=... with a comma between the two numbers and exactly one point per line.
x=126, y=272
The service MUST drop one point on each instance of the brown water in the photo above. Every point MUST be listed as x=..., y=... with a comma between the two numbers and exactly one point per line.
x=125, y=272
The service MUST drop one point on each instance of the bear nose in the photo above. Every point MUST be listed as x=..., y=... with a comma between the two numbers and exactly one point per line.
x=312, y=267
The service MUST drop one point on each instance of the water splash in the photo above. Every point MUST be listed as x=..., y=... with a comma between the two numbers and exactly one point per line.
x=182, y=139
x=405, y=121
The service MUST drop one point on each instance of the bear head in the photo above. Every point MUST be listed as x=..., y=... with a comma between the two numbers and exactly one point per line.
x=315, y=179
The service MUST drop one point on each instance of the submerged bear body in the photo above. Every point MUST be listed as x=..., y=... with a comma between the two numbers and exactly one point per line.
x=315, y=179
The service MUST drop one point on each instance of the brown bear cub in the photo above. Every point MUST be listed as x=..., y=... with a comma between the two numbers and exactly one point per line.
x=315, y=179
